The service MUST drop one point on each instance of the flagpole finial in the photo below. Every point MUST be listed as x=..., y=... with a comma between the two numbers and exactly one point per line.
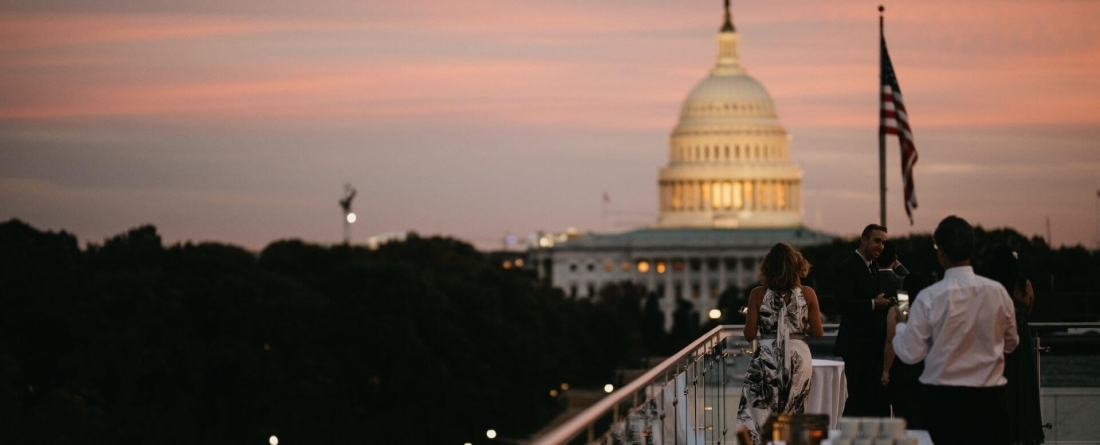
x=880, y=20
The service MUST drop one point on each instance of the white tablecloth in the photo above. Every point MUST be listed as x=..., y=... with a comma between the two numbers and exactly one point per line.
x=828, y=391
x=922, y=436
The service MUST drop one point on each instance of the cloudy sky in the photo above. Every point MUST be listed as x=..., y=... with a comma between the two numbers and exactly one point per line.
x=240, y=121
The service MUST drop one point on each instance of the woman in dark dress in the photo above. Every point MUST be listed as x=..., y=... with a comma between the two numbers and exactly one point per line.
x=1022, y=391
x=900, y=379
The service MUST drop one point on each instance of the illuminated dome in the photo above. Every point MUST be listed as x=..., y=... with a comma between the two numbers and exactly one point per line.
x=729, y=159
x=728, y=98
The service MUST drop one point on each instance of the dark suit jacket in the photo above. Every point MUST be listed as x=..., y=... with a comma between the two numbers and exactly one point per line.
x=862, y=329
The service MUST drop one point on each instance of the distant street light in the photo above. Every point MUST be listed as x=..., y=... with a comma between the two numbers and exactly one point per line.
x=492, y=434
x=608, y=388
x=273, y=440
x=714, y=314
x=349, y=217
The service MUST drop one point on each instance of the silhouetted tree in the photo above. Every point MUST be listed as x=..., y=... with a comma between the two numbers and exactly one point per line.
x=653, y=326
x=685, y=325
x=730, y=302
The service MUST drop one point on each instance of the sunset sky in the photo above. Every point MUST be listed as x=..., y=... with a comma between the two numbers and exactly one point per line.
x=241, y=121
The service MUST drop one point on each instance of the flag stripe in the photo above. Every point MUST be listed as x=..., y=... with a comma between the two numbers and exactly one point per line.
x=895, y=120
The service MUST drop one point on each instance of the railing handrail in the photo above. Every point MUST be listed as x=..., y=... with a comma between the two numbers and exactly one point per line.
x=1060, y=324
x=578, y=423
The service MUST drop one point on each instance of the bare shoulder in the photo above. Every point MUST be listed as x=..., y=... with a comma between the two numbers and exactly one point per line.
x=809, y=293
x=757, y=293
x=892, y=314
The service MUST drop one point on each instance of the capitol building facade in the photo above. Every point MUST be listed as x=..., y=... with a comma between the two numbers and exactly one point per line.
x=727, y=195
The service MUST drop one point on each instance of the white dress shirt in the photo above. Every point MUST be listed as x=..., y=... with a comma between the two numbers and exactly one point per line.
x=961, y=327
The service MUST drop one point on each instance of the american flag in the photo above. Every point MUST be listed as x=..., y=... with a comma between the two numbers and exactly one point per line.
x=895, y=120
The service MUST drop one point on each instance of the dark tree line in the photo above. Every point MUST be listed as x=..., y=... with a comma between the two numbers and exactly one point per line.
x=420, y=341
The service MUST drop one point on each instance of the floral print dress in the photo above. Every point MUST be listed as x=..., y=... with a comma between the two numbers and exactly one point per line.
x=778, y=378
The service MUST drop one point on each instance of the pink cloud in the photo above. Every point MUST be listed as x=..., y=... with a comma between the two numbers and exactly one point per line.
x=48, y=30
x=531, y=92
x=946, y=77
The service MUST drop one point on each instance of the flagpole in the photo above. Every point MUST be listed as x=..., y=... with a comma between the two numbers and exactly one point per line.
x=881, y=133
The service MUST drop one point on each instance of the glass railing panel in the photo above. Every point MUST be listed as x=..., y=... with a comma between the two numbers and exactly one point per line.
x=691, y=398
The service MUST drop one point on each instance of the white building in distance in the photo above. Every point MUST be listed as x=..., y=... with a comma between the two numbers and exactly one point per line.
x=727, y=195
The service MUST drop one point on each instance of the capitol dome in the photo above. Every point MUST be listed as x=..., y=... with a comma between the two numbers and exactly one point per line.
x=722, y=98
x=729, y=160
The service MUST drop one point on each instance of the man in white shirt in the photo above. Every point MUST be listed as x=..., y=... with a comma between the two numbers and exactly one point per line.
x=961, y=327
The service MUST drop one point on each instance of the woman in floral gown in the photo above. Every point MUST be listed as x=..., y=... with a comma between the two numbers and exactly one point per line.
x=782, y=311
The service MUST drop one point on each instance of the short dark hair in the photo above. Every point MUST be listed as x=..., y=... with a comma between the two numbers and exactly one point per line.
x=955, y=238
x=871, y=228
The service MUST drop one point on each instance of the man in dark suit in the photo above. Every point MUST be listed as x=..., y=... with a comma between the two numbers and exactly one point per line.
x=862, y=336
